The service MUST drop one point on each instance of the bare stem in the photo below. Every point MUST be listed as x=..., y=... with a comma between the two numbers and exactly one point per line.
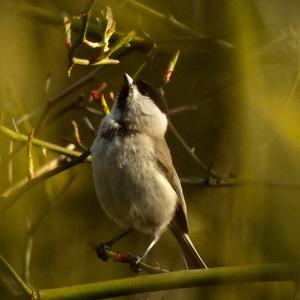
x=40, y=143
x=189, y=150
x=9, y=198
x=235, y=182
x=30, y=168
x=172, y=22
x=25, y=288
x=181, y=109
x=175, y=280
x=149, y=57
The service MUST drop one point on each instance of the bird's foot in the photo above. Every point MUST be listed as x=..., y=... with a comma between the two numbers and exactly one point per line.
x=101, y=251
x=134, y=263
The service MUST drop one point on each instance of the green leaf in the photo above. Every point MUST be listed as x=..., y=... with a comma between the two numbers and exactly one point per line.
x=80, y=61
x=122, y=42
x=110, y=28
x=106, y=61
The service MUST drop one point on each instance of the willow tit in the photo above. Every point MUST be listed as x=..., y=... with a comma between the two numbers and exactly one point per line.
x=135, y=180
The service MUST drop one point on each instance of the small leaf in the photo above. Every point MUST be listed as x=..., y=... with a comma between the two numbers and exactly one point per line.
x=106, y=61
x=121, y=42
x=80, y=61
x=67, y=26
x=93, y=44
x=110, y=28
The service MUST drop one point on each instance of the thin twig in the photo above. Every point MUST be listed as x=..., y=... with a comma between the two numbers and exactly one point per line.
x=77, y=135
x=149, y=57
x=43, y=169
x=27, y=256
x=8, y=199
x=30, y=170
x=165, y=80
x=172, y=22
x=181, y=109
x=25, y=288
x=40, y=143
x=236, y=182
x=10, y=163
x=57, y=18
x=188, y=149
x=34, y=227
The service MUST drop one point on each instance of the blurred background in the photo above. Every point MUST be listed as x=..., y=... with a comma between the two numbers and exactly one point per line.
x=237, y=79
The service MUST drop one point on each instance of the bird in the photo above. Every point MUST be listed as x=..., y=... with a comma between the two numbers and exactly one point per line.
x=135, y=181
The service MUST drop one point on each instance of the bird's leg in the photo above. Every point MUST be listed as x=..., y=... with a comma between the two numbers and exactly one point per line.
x=102, y=247
x=134, y=263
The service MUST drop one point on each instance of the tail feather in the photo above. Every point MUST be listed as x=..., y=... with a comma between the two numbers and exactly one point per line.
x=191, y=257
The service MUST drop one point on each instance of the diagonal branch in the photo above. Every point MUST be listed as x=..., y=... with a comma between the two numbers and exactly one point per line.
x=40, y=143
x=172, y=22
x=17, y=279
x=9, y=197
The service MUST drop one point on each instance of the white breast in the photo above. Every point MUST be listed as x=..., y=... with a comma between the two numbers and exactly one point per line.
x=130, y=187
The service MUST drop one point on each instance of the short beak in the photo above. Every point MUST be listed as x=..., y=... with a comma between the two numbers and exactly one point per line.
x=127, y=79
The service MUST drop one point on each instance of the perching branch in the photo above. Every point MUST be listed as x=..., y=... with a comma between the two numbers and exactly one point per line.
x=175, y=280
x=163, y=281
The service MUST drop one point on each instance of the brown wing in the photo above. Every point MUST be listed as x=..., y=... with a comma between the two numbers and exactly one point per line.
x=164, y=161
